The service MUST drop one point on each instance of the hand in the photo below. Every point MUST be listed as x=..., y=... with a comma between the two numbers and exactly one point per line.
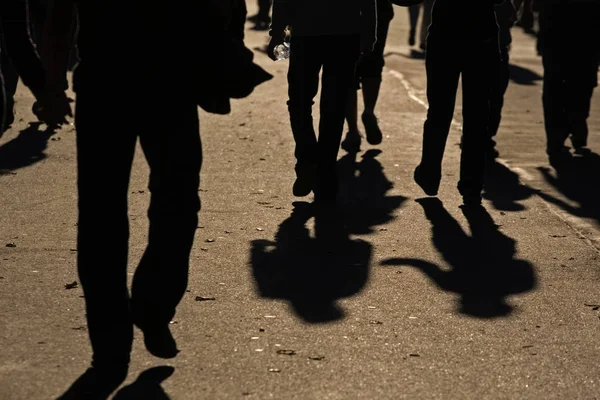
x=276, y=40
x=53, y=108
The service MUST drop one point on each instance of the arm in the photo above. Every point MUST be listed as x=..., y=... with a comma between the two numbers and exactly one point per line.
x=368, y=9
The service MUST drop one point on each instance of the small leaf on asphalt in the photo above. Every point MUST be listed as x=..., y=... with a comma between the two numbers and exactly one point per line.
x=71, y=285
x=414, y=355
x=200, y=298
x=286, y=352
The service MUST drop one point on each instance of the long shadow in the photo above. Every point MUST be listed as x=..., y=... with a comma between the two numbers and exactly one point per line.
x=26, y=149
x=578, y=181
x=312, y=272
x=483, y=268
x=504, y=189
x=523, y=76
x=147, y=385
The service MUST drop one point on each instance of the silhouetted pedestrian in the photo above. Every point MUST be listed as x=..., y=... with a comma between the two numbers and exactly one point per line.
x=506, y=16
x=570, y=53
x=462, y=41
x=368, y=76
x=262, y=19
x=328, y=35
x=18, y=58
x=154, y=91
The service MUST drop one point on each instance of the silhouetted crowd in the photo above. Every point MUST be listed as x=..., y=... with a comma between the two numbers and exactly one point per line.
x=335, y=45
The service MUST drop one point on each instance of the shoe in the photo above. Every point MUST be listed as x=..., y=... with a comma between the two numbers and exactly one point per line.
x=159, y=341
x=352, y=142
x=97, y=383
x=430, y=184
x=559, y=158
x=374, y=135
x=305, y=177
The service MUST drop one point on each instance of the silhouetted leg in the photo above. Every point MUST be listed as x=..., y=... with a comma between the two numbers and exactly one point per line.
x=340, y=57
x=477, y=77
x=104, y=158
x=499, y=86
x=443, y=72
x=425, y=22
x=553, y=99
x=303, y=80
x=173, y=151
x=580, y=88
x=413, y=16
x=10, y=79
x=264, y=8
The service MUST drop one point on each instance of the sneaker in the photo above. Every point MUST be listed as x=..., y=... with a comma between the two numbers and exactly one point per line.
x=429, y=183
x=305, y=177
x=472, y=201
x=374, y=135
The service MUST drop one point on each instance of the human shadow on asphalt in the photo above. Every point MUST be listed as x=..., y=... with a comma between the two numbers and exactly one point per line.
x=100, y=387
x=504, y=188
x=26, y=149
x=147, y=385
x=577, y=180
x=523, y=76
x=312, y=272
x=483, y=268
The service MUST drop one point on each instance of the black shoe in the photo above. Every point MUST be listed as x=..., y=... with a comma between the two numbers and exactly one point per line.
x=97, y=383
x=352, y=142
x=159, y=341
x=305, y=179
x=560, y=157
x=411, y=37
x=430, y=183
x=374, y=135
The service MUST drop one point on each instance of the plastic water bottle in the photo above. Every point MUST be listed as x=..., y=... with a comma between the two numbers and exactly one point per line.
x=282, y=51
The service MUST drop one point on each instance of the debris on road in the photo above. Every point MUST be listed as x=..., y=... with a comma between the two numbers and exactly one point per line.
x=201, y=298
x=286, y=352
x=71, y=285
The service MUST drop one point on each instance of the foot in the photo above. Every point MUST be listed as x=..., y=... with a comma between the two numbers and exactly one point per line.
x=97, y=383
x=374, y=135
x=582, y=151
x=305, y=177
x=352, y=142
x=159, y=341
x=560, y=157
x=430, y=183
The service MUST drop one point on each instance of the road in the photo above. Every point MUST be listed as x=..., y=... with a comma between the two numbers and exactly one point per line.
x=425, y=301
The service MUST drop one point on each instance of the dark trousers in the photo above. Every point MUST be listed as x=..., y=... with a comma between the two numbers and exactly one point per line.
x=498, y=89
x=337, y=56
x=264, y=9
x=446, y=62
x=168, y=131
x=567, y=93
